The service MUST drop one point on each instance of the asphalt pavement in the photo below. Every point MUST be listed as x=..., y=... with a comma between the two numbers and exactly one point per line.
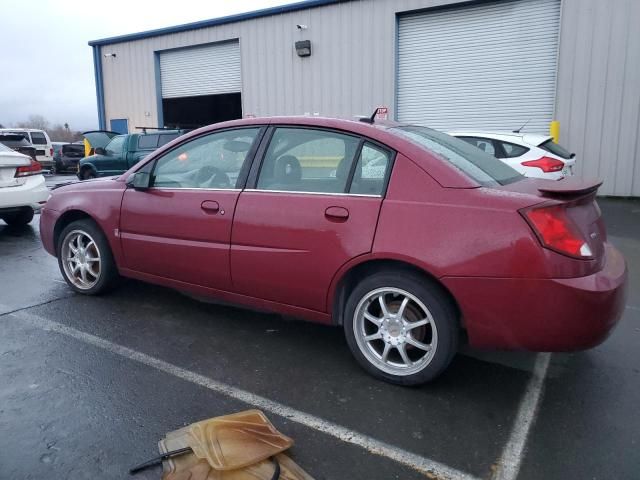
x=88, y=385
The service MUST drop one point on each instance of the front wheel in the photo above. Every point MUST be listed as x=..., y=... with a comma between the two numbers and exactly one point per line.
x=401, y=327
x=85, y=258
x=87, y=174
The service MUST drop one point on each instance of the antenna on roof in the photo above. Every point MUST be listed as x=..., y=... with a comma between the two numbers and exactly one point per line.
x=520, y=129
x=370, y=119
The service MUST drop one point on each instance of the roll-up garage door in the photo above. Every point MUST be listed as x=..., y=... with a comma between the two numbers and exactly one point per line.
x=206, y=70
x=487, y=66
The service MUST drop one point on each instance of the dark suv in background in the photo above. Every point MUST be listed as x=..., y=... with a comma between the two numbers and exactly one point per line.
x=66, y=156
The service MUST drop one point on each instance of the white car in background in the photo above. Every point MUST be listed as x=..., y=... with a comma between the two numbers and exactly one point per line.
x=22, y=187
x=530, y=154
x=40, y=140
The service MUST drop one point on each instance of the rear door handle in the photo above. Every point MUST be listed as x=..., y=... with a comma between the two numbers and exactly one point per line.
x=336, y=213
x=210, y=206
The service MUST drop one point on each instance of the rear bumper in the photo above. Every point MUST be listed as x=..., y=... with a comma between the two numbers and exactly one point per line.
x=543, y=314
x=33, y=194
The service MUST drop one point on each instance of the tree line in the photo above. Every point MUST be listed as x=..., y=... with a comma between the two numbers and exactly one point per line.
x=57, y=132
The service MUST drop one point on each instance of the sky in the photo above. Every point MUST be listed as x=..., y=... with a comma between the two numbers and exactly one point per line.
x=46, y=66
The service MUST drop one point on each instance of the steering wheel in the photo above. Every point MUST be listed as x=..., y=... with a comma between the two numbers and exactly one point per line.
x=212, y=177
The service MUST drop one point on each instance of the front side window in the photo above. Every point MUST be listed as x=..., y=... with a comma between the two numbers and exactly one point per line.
x=212, y=162
x=114, y=147
x=308, y=160
x=38, y=138
x=476, y=164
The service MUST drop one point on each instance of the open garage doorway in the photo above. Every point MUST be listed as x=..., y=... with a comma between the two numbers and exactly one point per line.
x=194, y=112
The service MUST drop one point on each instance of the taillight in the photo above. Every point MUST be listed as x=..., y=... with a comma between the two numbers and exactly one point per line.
x=557, y=231
x=34, y=168
x=546, y=164
x=51, y=152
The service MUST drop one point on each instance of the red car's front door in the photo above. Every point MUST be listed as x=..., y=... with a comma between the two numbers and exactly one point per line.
x=180, y=228
x=314, y=207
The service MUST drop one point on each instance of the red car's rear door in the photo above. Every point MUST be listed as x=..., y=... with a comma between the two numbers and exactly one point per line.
x=180, y=228
x=314, y=207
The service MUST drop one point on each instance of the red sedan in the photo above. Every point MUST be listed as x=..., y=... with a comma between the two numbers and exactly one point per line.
x=406, y=237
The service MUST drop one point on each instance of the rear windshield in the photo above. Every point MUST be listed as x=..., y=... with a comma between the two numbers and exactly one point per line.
x=38, y=138
x=73, y=150
x=556, y=149
x=4, y=148
x=480, y=166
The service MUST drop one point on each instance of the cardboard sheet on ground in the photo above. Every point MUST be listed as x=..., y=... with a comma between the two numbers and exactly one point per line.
x=232, y=447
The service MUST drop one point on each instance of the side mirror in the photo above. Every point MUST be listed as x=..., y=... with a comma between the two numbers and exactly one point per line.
x=139, y=181
x=100, y=151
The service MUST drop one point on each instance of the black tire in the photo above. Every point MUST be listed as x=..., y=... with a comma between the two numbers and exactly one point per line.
x=444, y=319
x=88, y=174
x=108, y=272
x=21, y=218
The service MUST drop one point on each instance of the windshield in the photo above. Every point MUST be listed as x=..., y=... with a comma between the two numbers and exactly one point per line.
x=4, y=148
x=485, y=169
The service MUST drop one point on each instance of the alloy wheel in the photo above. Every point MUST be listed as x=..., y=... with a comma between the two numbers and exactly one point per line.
x=395, y=331
x=81, y=259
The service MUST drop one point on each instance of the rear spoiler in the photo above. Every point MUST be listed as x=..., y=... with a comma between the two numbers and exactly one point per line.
x=569, y=187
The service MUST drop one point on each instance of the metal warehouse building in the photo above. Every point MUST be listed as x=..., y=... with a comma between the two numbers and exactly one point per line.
x=482, y=65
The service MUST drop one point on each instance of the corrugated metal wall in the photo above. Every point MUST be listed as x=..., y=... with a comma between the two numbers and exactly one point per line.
x=352, y=70
x=598, y=94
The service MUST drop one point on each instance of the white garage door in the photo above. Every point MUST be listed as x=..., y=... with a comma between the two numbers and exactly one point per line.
x=208, y=70
x=490, y=67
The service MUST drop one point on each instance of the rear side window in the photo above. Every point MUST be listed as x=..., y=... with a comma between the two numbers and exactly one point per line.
x=556, y=149
x=38, y=138
x=371, y=171
x=308, y=160
x=511, y=150
x=484, y=144
x=478, y=165
x=146, y=142
x=164, y=139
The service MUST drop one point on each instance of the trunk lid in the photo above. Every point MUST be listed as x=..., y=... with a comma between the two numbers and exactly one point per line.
x=576, y=199
x=9, y=161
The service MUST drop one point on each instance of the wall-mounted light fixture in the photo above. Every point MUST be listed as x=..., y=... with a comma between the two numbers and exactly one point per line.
x=107, y=55
x=303, y=48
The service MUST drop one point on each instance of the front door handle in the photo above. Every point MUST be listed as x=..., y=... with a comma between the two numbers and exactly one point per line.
x=339, y=214
x=210, y=206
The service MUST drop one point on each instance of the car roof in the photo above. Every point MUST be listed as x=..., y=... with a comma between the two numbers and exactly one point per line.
x=379, y=131
x=19, y=129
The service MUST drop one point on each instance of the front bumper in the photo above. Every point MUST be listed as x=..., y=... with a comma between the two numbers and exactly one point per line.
x=48, y=219
x=34, y=194
x=543, y=314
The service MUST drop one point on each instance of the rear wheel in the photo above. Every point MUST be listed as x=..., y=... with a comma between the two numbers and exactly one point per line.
x=85, y=258
x=401, y=327
x=22, y=217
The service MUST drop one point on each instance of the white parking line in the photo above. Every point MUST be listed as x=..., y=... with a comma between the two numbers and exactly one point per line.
x=417, y=462
x=512, y=454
